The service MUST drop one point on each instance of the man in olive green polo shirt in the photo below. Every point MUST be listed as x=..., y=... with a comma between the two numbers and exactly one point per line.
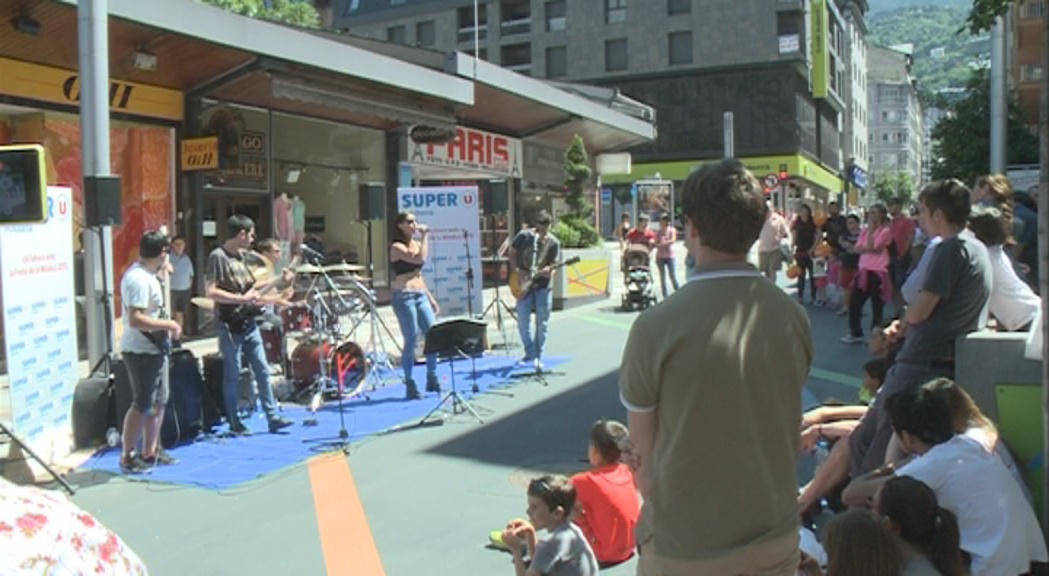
x=712, y=381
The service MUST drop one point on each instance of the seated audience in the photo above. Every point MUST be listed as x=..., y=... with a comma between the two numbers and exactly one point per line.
x=1012, y=303
x=565, y=550
x=926, y=534
x=607, y=504
x=999, y=530
x=857, y=544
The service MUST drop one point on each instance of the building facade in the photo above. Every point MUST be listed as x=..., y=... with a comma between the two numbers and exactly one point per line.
x=854, y=138
x=897, y=134
x=1028, y=40
x=782, y=72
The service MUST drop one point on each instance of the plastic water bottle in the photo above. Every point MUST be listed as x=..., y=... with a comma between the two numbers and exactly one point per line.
x=822, y=451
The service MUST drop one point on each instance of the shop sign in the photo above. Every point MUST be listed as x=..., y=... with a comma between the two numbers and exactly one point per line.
x=430, y=135
x=200, y=154
x=60, y=86
x=471, y=150
x=820, y=51
x=544, y=164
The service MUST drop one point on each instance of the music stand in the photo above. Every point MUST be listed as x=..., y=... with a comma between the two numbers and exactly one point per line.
x=449, y=339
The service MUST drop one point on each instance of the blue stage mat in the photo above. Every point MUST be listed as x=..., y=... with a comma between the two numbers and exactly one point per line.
x=218, y=463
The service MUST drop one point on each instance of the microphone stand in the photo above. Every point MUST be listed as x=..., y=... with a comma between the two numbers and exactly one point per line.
x=469, y=275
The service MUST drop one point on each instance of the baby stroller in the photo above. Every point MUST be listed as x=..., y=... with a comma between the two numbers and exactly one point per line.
x=637, y=276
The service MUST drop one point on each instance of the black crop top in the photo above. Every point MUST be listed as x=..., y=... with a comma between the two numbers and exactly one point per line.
x=404, y=267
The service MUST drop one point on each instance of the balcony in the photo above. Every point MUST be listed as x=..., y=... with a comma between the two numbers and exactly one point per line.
x=515, y=27
x=466, y=34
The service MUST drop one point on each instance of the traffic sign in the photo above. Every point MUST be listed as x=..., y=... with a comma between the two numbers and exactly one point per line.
x=771, y=181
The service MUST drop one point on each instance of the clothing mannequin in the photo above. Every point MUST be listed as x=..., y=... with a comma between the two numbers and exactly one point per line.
x=282, y=217
x=298, y=216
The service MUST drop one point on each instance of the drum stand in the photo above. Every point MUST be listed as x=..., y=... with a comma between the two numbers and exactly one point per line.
x=321, y=383
x=377, y=353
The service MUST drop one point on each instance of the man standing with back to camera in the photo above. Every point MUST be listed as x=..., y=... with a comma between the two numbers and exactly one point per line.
x=237, y=295
x=712, y=380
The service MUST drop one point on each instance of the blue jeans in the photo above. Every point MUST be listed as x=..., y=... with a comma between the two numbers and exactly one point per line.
x=250, y=346
x=415, y=315
x=666, y=266
x=539, y=300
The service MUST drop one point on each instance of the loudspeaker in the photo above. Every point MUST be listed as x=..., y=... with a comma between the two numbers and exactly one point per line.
x=91, y=412
x=183, y=415
x=497, y=200
x=102, y=201
x=372, y=202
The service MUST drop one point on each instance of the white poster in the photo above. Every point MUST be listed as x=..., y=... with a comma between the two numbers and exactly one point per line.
x=454, y=220
x=36, y=261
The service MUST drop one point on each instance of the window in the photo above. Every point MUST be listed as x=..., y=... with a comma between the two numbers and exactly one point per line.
x=515, y=17
x=615, y=11
x=426, y=33
x=615, y=55
x=555, y=16
x=517, y=57
x=1032, y=9
x=1030, y=72
x=556, y=62
x=884, y=136
x=680, y=47
x=396, y=34
x=679, y=7
x=466, y=23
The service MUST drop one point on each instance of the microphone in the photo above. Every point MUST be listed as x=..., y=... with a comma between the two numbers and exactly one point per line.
x=305, y=248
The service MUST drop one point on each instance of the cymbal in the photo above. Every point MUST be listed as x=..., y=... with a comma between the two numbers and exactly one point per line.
x=308, y=269
x=344, y=267
x=203, y=303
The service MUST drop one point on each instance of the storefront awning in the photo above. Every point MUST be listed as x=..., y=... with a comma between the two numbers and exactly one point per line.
x=290, y=45
x=526, y=107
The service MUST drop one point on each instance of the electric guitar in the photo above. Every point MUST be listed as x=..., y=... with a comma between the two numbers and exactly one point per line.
x=521, y=281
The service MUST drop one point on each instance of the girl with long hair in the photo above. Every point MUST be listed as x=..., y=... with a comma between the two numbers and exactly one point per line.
x=857, y=544
x=926, y=534
x=413, y=304
x=872, y=280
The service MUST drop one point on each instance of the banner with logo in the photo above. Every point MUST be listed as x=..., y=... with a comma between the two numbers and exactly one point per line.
x=454, y=220
x=36, y=263
x=474, y=150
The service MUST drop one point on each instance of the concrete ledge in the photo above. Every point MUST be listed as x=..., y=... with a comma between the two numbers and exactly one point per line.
x=986, y=359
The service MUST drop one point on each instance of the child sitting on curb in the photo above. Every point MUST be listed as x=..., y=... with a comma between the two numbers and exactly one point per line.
x=565, y=551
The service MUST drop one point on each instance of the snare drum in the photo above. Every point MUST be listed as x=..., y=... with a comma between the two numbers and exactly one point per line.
x=347, y=366
x=296, y=318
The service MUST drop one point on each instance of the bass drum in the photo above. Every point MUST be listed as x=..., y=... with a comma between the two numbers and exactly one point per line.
x=347, y=366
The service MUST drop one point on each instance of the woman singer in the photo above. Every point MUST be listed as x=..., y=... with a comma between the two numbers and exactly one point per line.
x=414, y=305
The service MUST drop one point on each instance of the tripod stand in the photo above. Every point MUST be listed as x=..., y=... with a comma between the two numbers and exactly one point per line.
x=323, y=381
x=499, y=305
x=450, y=339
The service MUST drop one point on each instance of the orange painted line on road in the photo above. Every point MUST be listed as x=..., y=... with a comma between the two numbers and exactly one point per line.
x=346, y=538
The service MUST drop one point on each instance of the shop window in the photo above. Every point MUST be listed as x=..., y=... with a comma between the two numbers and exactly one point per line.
x=556, y=62
x=615, y=55
x=426, y=33
x=615, y=11
x=679, y=7
x=397, y=34
x=680, y=47
x=555, y=16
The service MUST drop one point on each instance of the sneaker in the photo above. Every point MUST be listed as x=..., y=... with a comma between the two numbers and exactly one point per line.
x=850, y=339
x=433, y=384
x=411, y=391
x=134, y=464
x=161, y=459
x=279, y=423
x=527, y=361
x=538, y=365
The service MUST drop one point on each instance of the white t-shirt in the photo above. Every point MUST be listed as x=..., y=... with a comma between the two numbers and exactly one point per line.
x=1012, y=301
x=139, y=288
x=1000, y=450
x=998, y=526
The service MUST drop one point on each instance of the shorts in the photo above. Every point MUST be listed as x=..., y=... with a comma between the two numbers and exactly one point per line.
x=770, y=262
x=180, y=300
x=847, y=277
x=148, y=386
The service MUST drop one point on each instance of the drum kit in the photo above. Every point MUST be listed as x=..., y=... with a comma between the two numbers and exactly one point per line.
x=330, y=356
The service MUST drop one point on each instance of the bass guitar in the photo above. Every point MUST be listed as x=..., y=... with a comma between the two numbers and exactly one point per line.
x=521, y=281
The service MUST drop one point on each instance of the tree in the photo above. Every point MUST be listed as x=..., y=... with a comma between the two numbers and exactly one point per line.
x=575, y=229
x=294, y=12
x=898, y=184
x=962, y=147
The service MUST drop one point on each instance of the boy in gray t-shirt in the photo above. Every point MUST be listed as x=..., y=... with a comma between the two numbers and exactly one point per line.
x=565, y=551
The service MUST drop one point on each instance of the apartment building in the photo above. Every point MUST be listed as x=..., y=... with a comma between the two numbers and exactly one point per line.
x=854, y=133
x=897, y=134
x=1028, y=37
x=780, y=67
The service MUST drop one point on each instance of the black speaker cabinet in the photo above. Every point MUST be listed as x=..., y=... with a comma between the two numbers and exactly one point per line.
x=498, y=198
x=372, y=201
x=102, y=201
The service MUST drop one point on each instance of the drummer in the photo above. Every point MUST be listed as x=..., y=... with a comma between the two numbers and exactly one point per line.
x=270, y=250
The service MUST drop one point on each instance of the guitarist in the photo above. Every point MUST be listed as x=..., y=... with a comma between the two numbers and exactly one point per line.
x=237, y=296
x=144, y=347
x=533, y=253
